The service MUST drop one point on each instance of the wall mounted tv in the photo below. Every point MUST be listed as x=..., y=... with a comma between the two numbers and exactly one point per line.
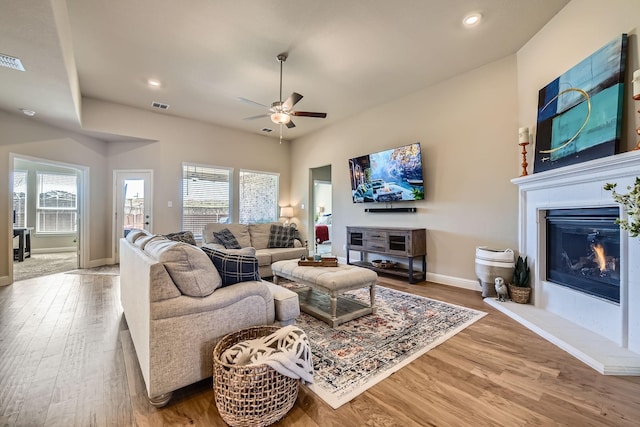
x=388, y=176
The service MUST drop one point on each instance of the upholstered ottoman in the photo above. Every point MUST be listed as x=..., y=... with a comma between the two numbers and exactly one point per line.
x=321, y=296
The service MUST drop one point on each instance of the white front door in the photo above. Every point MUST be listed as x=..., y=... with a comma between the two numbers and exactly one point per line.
x=133, y=202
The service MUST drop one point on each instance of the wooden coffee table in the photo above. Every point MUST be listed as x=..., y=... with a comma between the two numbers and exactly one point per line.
x=321, y=298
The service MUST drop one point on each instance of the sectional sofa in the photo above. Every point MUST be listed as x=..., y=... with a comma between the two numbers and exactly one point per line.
x=177, y=309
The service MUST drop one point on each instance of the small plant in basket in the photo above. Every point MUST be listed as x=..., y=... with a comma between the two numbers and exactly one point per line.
x=519, y=288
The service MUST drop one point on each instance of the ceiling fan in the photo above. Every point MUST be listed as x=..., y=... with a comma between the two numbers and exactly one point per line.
x=280, y=111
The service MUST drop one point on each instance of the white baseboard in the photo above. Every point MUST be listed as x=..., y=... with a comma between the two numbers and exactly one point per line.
x=100, y=262
x=53, y=250
x=458, y=282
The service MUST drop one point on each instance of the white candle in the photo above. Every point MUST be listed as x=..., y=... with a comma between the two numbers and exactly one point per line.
x=523, y=135
x=636, y=85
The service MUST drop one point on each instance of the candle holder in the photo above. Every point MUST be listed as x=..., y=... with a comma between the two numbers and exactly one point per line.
x=524, y=158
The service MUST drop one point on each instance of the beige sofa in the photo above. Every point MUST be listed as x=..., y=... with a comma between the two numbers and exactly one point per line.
x=176, y=312
x=257, y=236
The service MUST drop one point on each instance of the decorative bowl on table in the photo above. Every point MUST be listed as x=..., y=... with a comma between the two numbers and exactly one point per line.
x=383, y=263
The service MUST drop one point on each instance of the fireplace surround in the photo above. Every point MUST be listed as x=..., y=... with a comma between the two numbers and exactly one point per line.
x=601, y=330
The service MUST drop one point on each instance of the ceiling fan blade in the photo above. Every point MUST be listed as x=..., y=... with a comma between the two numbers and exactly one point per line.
x=291, y=124
x=259, y=116
x=308, y=114
x=248, y=101
x=291, y=101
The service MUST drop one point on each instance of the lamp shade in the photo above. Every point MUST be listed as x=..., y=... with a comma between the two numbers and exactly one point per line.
x=286, y=212
x=280, y=118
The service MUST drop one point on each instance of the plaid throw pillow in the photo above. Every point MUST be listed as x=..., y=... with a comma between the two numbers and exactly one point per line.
x=226, y=238
x=281, y=236
x=233, y=268
x=182, y=236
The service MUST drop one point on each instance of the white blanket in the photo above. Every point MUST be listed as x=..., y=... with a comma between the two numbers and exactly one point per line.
x=287, y=351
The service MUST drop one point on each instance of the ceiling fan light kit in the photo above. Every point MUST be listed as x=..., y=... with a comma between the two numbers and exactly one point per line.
x=280, y=111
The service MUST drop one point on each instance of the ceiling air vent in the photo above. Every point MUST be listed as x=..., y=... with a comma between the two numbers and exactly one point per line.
x=266, y=130
x=11, y=62
x=160, y=105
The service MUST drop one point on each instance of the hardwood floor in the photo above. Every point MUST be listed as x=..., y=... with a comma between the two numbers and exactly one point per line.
x=62, y=362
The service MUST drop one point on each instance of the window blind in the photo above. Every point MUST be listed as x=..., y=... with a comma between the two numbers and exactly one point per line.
x=206, y=196
x=57, y=203
x=20, y=198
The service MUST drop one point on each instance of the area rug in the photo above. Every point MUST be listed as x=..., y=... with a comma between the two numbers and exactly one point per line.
x=358, y=354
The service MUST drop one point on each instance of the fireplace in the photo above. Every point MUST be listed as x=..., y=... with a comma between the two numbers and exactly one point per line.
x=583, y=250
x=585, y=274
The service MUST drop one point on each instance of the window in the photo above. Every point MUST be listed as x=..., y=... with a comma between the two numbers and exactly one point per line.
x=57, y=207
x=20, y=199
x=258, y=197
x=206, y=196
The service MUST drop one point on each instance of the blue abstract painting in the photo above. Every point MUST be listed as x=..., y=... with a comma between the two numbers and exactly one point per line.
x=580, y=112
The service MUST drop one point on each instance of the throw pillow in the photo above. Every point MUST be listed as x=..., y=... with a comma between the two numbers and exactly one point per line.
x=233, y=268
x=189, y=268
x=226, y=238
x=281, y=236
x=182, y=236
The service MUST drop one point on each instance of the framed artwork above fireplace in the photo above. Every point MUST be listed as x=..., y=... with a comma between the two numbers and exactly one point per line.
x=580, y=112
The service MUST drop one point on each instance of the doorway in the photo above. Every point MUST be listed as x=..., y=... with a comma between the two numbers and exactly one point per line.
x=321, y=209
x=133, y=204
x=47, y=210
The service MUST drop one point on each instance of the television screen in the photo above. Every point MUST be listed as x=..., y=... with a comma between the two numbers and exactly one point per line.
x=388, y=176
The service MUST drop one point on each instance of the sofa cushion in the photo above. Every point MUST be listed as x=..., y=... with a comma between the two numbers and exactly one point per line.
x=226, y=238
x=135, y=234
x=278, y=254
x=182, y=236
x=189, y=267
x=260, y=235
x=281, y=236
x=142, y=241
x=240, y=232
x=251, y=251
x=233, y=268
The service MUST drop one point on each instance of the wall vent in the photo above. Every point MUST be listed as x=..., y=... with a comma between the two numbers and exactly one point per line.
x=11, y=62
x=266, y=130
x=159, y=105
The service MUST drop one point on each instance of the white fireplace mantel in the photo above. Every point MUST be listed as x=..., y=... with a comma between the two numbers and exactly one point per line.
x=603, y=334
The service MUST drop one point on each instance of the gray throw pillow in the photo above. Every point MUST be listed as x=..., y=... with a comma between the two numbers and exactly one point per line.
x=281, y=236
x=226, y=238
x=182, y=236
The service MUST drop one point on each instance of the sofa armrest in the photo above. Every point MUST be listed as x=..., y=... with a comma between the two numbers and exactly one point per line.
x=287, y=306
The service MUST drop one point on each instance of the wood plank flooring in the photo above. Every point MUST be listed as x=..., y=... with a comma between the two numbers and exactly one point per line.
x=62, y=363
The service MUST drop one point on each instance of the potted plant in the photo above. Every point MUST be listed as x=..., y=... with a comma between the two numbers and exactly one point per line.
x=631, y=202
x=519, y=287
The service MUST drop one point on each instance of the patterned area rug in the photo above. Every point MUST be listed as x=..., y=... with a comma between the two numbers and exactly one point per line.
x=362, y=352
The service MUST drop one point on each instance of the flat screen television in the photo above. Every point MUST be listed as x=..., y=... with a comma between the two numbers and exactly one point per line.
x=388, y=176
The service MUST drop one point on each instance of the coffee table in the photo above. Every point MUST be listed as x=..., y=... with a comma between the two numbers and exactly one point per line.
x=320, y=297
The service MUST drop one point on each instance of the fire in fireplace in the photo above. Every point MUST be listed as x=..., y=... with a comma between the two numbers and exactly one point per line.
x=583, y=250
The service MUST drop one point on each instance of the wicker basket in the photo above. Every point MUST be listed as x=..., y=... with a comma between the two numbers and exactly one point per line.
x=519, y=294
x=250, y=396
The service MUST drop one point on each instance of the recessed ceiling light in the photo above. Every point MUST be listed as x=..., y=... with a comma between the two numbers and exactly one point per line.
x=472, y=19
x=29, y=113
x=154, y=82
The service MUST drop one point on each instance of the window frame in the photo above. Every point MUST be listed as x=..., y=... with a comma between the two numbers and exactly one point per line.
x=207, y=169
x=276, y=200
x=26, y=197
x=42, y=209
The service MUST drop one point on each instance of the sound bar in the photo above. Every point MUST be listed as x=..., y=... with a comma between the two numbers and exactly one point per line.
x=388, y=210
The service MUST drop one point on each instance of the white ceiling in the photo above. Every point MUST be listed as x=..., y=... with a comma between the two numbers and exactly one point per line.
x=344, y=56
